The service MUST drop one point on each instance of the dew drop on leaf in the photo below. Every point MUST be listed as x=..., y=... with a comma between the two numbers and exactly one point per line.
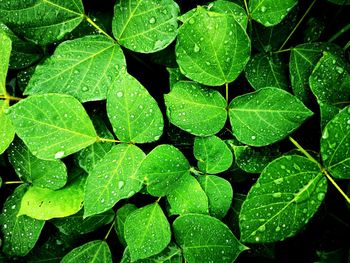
x=59, y=155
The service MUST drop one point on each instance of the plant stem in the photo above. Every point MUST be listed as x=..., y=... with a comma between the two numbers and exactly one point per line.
x=14, y=182
x=282, y=50
x=339, y=33
x=323, y=170
x=157, y=201
x=347, y=45
x=89, y=20
x=109, y=230
x=226, y=92
x=8, y=97
x=298, y=24
x=99, y=139
x=246, y=8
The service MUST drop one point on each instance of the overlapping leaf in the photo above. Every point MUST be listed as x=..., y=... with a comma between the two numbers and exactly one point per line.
x=122, y=215
x=212, y=48
x=5, y=51
x=285, y=197
x=84, y=68
x=52, y=125
x=266, y=116
x=7, y=131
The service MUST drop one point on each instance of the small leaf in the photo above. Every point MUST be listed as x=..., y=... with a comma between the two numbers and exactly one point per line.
x=93, y=252
x=5, y=51
x=266, y=116
x=7, y=131
x=41, y=173
x=327, y=112
x=77, y=225
x=122, y=215
x=335, y=141
x=162, y=169
x=219, y=192
x=60, y=130
x=195, y=109
x=174, y=76
x=113, y=178
x=290, y=185
x=210, y=53
x=43, y=21
x=266, y=71
x=20, y=233
x=133, y=113
x=45, y=204
x=206, y=239
x=147, y=232
x=84, y=68
x=188, y=197
x=213, y=154
x=145, y=26
x=270, y=12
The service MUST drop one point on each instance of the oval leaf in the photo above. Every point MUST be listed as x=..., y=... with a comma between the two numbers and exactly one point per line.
x=147, y=232
x=122, y=215
x=60, y=130
x=7, y=131
x=206, y=239
x=266, y=116
x=195, y=109
x=5, y=51
x=84, y=68
x=232, y=9
x=290, y=185
x=145, y=26
x=335, y=142
x=210, y=53
x=134, y=114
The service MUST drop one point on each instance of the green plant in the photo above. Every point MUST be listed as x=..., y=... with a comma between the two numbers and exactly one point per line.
x=186, y=169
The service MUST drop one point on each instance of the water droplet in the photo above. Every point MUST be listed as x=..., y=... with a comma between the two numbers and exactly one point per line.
x=120, y=184
x=277, y=229
x=59, y=155
x=277, y=195
x=340, y=70
x=191, y=21
x=119, y=94
x=84, y=88
x=263, y=9
x=253, y=137
x=152, y=20
x=278, y=181
x=325, y=134
x=320, y=196
x=262, y=228
x=196, y=48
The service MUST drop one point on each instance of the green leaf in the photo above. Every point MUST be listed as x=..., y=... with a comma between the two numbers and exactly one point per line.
x=232, y=9
x=147, y=232
x=52, y=125
x=113, y=178
x=206, y=239
x=335, y=141
x=24, y=53
x=42, y=21
x=5, y=51
x=84, y=68
x=20, y=233
x=266, y=71
x=212, y=48
x=188, y=197
x=145, y=26
x=335, y=87
x=93, y=252
x=283, y=200
x=162, y=169
x=32, y=170
x=133, y=113
x=219, y=192
x=77, y=225
x=45, y=204
x=89, y=156
x=266, y=116
x=174, y=76
x=270, y=12
x=7, y=131
x=213, y=154
x=327, y=112
x=122, y=215
x=196, y=109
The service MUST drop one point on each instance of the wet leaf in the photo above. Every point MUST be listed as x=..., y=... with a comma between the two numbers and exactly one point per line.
x=122, y=215
x=5, y=51
x=7, y=131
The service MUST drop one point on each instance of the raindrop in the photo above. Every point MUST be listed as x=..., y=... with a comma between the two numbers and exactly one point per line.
x=320, y=196
x=196, y=48
x=277, y=195
x=59, y=155
x=253, y=137
x=152, y=20
x=339, y=70
x=120, y=184
x=84, y=88
x=119, y=94
x=263, y=9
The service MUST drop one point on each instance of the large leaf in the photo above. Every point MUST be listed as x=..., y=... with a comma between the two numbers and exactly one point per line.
x=285, y=197
x=206, y=239
x=147, y=232
x=5, y=51
x=162, y=169
x=20, y=233
x=219, y=192
x=38, y=172
x=266, y=116
x=335, y=141
x=113, y=178
x=134, y=114
x=43, y=21
x=213, y=154
x=52, y=125
x=121, y=216
x=7, y=131
x=270, y=12
x=188, y=197
x=195, y=109
x=145, y=26
x=266, y=71
x=84, y=68
x=45, y=204
x=212, y=48
x=93, y=252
